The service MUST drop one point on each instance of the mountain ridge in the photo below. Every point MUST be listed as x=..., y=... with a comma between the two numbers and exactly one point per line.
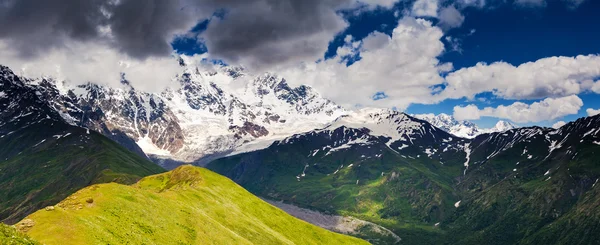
x=441, y=187
x=43, y=159
x=463, y=129
x=213, y=113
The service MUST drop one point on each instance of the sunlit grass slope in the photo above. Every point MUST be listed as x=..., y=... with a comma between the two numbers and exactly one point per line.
x=50, y=168
x=188, y=205
x=10, y=236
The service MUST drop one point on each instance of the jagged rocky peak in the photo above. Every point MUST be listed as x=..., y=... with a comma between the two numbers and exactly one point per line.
x=400, y=129
x=20, y=104
x=211, y=112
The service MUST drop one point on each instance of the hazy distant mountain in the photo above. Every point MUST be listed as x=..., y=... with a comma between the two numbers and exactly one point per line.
x=463, y=129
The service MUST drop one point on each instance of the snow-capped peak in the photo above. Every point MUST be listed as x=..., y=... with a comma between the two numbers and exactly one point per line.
x=464, y=129
x=215, y=110
x=502, y=126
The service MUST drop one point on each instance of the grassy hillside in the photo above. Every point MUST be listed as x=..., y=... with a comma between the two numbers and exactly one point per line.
x=188, y=205
x=406, y=195
x=44, y=163
x=526, y=186
x=10, y=236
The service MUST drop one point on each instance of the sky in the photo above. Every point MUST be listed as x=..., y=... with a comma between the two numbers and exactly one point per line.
x=531, y=62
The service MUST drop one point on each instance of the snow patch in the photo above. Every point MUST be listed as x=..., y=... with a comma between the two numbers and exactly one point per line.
x=44, y=140
x=457, y=204
x=468, y=157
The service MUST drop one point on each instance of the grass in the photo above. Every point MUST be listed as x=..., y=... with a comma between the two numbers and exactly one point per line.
x=10, y=236
x=46, y=174
x=188, y=205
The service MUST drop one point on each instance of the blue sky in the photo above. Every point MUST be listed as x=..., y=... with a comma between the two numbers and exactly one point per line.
x=501, y=32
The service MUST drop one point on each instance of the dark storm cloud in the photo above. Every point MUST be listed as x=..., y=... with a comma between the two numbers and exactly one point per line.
x=260, y=32
x=272, y=32
x=140, y=28
x=30, y=25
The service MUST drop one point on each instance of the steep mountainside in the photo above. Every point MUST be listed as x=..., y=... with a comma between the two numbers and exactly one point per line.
x=43, y=159
x=518, y=186
x=463, y=129
x=188, y=205
x=215, y=111
x=377, y=165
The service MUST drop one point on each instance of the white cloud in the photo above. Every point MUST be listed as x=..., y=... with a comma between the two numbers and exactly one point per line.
x=475, y=3
x=547, y=77
x=97, y=63
x=592, y=112
x=382, y=3
x=403, y=67
x=559, y=124
x=547, y=109
x=595, y=87
x=425, y=8
x=455, y=44
x=450, y=18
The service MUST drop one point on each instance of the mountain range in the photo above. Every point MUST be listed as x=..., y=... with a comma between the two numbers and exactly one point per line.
x=61, y=183
x=213, y=113
x=427, y=186
x=399, y=178
x=463, y=128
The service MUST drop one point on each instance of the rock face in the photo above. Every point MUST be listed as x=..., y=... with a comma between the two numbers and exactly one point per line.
x=212, y=113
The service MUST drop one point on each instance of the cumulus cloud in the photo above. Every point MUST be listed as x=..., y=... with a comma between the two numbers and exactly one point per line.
x=139, y=28
x=592, y=112
x=286, y=32
x=403, y=66
x=559, y=124
x=450, y=18
x=425, y=8
x=103, y=35
x=94, y=62
x=547, y=77
x=547, y=109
